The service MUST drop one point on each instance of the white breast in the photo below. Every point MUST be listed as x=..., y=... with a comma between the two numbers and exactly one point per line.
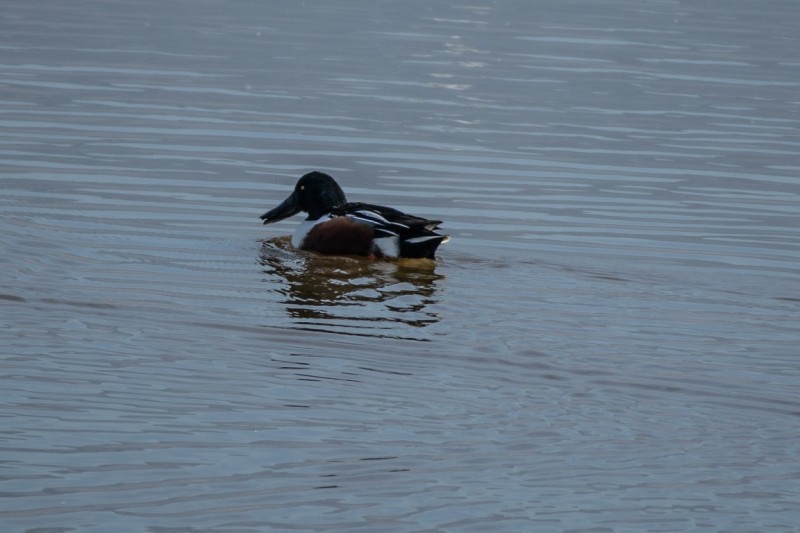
x=303, y=229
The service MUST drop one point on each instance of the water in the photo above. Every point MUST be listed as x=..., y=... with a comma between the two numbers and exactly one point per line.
x=608, y=343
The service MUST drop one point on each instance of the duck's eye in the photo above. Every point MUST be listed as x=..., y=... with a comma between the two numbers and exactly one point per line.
x=302, y=187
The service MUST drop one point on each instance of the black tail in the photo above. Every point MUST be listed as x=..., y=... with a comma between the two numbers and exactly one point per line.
x=422, y=247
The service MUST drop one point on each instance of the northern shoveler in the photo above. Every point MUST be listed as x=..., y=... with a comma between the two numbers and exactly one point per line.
x=336, y=226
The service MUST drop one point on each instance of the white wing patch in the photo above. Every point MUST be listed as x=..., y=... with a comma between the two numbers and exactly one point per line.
x=425, y=238
x=376, y=219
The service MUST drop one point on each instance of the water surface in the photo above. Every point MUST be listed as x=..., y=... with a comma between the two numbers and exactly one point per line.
x=608, y=343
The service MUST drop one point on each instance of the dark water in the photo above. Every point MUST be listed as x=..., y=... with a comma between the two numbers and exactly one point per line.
x=608, y=343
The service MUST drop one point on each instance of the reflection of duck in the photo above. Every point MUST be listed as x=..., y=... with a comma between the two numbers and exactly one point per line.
x=337, y=227
x=349, y=294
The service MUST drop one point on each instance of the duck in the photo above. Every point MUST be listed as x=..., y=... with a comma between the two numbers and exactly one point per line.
x=335, y=226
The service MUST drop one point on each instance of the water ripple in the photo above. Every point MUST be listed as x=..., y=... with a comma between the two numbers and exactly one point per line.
x=608, y=341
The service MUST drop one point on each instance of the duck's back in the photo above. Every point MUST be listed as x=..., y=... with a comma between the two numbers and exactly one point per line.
x=405, y=235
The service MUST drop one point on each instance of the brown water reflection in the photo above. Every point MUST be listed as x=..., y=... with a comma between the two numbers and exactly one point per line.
x=352, y=295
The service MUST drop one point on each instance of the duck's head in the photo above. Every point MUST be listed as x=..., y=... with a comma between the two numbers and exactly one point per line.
x=316, y=193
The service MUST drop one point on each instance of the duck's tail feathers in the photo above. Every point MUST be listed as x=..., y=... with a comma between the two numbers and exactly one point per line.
x=423, y=246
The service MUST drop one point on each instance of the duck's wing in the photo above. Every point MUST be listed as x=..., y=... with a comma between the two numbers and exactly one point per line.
x=396, y=233
x=387, y=219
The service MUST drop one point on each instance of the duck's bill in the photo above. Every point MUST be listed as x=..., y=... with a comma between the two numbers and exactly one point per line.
x=287, y=208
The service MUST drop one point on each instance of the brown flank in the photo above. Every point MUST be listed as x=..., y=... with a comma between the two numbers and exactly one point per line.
x=340, y=236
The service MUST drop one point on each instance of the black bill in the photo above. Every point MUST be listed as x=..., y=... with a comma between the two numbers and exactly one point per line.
x=287, y=208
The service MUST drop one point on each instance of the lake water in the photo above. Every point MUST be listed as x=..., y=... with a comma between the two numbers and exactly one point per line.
x=608, y=343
